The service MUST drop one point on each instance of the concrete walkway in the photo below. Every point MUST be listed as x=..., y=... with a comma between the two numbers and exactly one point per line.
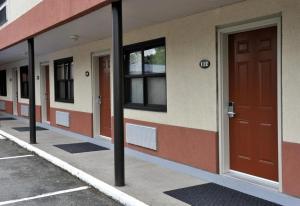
x=145, y=181
x=29, y=180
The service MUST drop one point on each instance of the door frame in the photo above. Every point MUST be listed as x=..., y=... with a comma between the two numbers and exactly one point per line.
x=43, y=90
x=95, y=89
x=223, y=96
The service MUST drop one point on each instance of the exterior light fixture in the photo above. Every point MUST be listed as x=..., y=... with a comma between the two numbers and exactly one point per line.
x=74, y=37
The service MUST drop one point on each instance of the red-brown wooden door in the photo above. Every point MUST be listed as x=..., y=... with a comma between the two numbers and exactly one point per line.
x=104, y=84
x=253, y=89
x=47, y=92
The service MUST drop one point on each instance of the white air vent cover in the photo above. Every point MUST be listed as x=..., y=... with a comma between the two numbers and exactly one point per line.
x=24, y=110
x=63, y=118
x=2, y=105
x=141, y=136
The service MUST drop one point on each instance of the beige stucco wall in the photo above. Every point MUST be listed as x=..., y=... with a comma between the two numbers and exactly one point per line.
x=191, y=91
x=192, y=96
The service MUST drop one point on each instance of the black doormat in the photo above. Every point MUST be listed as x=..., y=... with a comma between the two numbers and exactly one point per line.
x=27, y=129
x=215, y=195
x=80, y=147
x=7, y=118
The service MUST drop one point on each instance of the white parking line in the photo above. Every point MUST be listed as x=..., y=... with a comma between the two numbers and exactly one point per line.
x=16, y=157
x=44, y=195
x=2, y=138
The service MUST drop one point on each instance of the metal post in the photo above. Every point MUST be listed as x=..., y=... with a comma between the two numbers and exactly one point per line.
x=31, y=79
x=118, y=92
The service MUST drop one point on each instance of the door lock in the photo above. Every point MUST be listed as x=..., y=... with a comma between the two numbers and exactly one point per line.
x=231, y=112
x=99, y=100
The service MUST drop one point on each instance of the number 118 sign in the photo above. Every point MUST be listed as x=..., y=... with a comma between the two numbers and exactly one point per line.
x=204, y=64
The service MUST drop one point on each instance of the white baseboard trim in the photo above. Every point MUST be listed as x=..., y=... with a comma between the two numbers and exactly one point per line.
x=103, y=187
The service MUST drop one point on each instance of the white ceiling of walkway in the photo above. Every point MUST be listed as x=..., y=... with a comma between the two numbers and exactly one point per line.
x=97, y=25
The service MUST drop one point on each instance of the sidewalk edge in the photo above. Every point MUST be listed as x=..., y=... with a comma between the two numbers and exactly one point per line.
x=96, y=183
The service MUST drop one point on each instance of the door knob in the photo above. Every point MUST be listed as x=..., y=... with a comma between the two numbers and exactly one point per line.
x=231, y=112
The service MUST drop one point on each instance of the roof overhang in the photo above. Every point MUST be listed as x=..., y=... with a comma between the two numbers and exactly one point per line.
x=91, y=23
x=44, y=16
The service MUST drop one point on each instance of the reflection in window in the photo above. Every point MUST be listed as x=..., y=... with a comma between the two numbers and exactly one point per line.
x=135, y=63
x=64, y=83
x=145, y=75
x=155, y=60
x=3, y=15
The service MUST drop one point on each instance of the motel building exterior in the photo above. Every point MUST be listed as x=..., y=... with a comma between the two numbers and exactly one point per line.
x=213, y=85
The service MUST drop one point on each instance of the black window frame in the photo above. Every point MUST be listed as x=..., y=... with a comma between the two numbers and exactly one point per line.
x=24, y=94
x=68, y=98
x=3, y=83
x=4, y=10
x=142, y=46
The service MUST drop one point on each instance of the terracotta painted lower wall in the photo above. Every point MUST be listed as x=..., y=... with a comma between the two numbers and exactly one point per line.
x=193, y=147
x=38, y=112
x=8, y=106
x=291, y=168
x=80, y=122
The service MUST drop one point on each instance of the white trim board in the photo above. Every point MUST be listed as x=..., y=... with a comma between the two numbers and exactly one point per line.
x=15, y=157
x=50, y=194
x=223, y=90
x=43, y=82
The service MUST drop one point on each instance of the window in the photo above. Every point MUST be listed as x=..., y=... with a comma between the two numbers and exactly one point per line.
x=64, y=83
x=24, y=82
x=3, y=18
x=3, y=90
x=145, y=76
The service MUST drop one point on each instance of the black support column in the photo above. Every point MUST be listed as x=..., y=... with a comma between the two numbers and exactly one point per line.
x=31, y=79
x=118, y=92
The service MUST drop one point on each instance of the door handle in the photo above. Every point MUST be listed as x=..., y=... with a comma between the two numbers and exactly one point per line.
x=231, y=112
x=99, y=100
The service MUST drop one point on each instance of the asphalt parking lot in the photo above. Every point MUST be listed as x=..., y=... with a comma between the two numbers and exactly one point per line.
x=28, y=180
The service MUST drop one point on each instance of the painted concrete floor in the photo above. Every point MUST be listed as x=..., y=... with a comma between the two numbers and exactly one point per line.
x=28, y=180
x=145, y=181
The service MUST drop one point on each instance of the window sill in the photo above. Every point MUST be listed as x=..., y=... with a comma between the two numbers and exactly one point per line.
x=146, y=108
x=64, y=101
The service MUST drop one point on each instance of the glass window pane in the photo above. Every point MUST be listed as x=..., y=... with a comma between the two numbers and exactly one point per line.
x=2, y=1
x=136, y=88
x=3, y=17
x=135, y=63
x=155, y=60
x=60, y=72
x=70, y=90
x=71, y=70
x=25, y=90
x=3, y=91
x=157, y=93
x=67, y=70
x=61, y=90
x=24, y=77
